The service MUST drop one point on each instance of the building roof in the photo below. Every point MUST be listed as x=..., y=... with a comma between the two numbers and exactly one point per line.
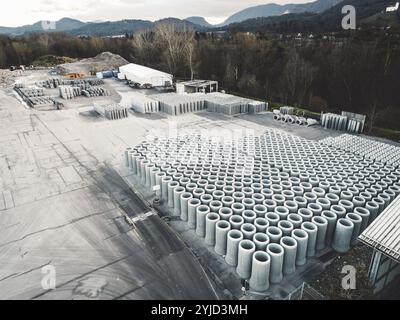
x=198, y=83
x=384, y=232
x=142, y=71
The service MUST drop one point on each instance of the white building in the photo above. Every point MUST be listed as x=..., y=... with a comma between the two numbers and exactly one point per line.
x=393, y=9
x=144, y=76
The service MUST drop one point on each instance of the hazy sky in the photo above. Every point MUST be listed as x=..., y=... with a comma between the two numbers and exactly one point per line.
x=20, y=12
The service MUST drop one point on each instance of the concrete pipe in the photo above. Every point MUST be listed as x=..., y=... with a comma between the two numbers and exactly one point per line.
x=301, y=238
x=228, y=190
x=236, y=222
x=172, y=185
x=339, y=211
x=232, y=247
x=276, y=253
x=215, y=206
x=292, y=206
x=248, y=230
x=260, y=271
x=307, y=187
x=331, y=218
x=324, y=203
x=225, y=213
x=258, y=198
x=333, y=198
x=238, y=208
x=380, y=203
x=279, y=199
x=301, y=202
x=248, y=203
x=364, y=214
x=249, y=216
x=295, y=219
x=385, y=198
x=358, y=201
x=343, y=235
x=322, y=226
x=201, y=213
x=261, y=224
x=305, y=214
x=373, y=209
x=164, y=187
x=227, y=201
x=190, y=187
x=178, y=191
x=209, y=189
x=218, y=195
x=289, y=246
x=260, y=210
x=185, y=197
x=286, y=227
x=347, y=204
x=274, y=233
x=283, y=212
x=159, y=177
x=267, y=193
x=346, y=195
x=272, y=218
x=221, y=237
x=310, y=197
x=312, y=231
x=127, y=156
x=357, y=221
x=206, y=199
x=270, y=205
x=245, y=257
x=192, y=208
x=211, y=220
x=261, y=240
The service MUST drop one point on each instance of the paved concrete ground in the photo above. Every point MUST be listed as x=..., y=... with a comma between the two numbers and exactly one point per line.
x=62, y=202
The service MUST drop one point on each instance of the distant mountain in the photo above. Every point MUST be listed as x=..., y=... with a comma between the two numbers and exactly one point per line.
x=111, y=28
x=64, y=24
x=273, y=9
x=200, y=21
x=369, y=12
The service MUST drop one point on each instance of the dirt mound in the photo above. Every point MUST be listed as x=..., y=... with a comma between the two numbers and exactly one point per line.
x=102, y=62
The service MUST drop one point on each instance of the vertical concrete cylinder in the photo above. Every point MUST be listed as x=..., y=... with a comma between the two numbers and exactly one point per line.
x=201, y=212
x=276, y=254
x=322, y=226
x=172, y=185
x=225, y=213
x=357, y=221
x=245, y=255
x=373, y=208
x=289, y=246
x=274, y=234
x=301, y=237
x=211, y=220
x=185, y=197
x=192, y=208
x=260, y=271
x=343, y=234
x=178, y=191
x=261, y=240
x=221, y=237
x=248, y=230
x=330, y=230
x=364, y=214
x=232, y=247
x=312, y=231
x=296, y=220
x=261, y=224
x=272, y=218
x=236, y=222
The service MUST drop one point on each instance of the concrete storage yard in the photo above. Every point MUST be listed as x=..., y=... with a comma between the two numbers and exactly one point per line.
x=68, y=200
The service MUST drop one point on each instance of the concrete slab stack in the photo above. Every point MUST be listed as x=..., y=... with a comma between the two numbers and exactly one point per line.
x=112, y=112
x=176, y=104
x=140, y=103
x=257, y=107
x=227, y=104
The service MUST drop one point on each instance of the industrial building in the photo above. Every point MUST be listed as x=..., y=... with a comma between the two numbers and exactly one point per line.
x=144, y=76
x=194, y=86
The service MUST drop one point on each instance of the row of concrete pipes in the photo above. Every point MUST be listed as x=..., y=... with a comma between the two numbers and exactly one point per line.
x=263, y=227
x=291, y=119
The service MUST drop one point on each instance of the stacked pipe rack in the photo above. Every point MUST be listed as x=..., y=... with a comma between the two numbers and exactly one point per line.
x=266, y=204
x=34, y=97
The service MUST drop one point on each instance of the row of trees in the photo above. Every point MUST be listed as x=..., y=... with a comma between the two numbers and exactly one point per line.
x=356, y=73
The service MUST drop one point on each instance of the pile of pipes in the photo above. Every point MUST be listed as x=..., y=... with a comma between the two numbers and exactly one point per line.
x=140, y=103
x=41, y=102
x=176, y=104
x=228, y=104
x=266, y=204
x=32, y=92
x=367, y=148
x=286, y=110
x=53, y=83
x=341, y=123
x=95, y=92
x=257, y=107
x=112, y=112
x=67, y=92
x=291, y=119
